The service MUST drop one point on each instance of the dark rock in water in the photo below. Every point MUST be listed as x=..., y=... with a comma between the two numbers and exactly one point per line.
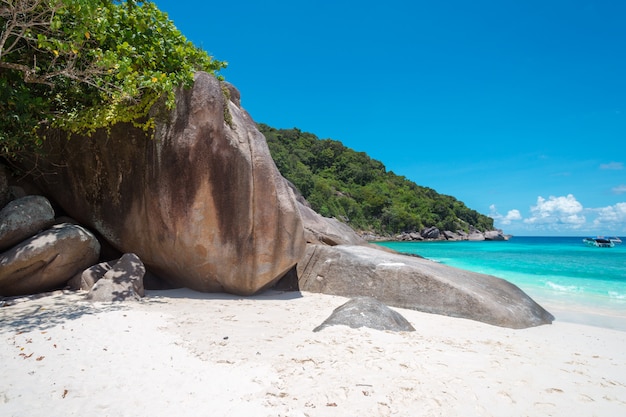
x=124, y=281
x=47, y=260
x=417, y=284
x=367, y=312
x=23, y=218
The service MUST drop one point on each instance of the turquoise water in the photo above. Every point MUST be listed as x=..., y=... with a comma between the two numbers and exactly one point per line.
x=555, y=270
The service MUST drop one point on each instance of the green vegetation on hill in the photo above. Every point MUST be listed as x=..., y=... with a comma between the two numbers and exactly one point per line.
x=340, y=182
x=81, y=65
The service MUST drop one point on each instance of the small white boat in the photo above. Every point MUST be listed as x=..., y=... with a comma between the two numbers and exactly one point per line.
x=599, y=242
x=616, y=240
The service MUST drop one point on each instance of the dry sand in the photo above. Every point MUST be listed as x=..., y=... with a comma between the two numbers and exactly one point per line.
x=181, y=353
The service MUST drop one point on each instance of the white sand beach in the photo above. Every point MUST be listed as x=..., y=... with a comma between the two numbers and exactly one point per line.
x=182, y=353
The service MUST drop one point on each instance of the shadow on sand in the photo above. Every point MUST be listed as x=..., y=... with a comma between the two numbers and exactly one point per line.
x=155, y=296
x=43, y=311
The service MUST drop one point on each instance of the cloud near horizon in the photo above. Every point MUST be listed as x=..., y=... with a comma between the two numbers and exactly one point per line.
x=565, y=213
x=613, y=166
x=611, y=217
x=620, y=189
x=557, y=211
x=505, y=220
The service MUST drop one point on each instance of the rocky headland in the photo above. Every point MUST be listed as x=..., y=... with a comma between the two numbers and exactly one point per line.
x=434, y=234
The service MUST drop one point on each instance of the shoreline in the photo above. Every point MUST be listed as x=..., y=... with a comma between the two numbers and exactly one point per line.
x=192, y=354
x=590, y=308
x=579, y=312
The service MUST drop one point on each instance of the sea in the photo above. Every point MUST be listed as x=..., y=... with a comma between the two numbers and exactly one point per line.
x=583, y=284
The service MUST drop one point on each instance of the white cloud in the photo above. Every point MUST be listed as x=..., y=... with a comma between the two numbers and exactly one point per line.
x=505, y=220
x=512, y=215
x=620, y=189
x=613, y=166
x=564, y=215
x=611, y=217
x=565, y=211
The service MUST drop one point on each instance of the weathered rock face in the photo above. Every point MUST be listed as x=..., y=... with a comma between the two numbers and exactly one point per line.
x=202, y=204
x=124, y=281
x=418, y=284
x=47, y=260
x=476, y=236
x=494, y=235
x=23, y=218
x=323, y=230
x=448, y=235
x=85, y=280
x=430, y=233
x=367, y=312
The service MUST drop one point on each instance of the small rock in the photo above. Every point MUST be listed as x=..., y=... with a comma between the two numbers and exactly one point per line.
x=367, y=312
x=86, y=279
x=122, y=282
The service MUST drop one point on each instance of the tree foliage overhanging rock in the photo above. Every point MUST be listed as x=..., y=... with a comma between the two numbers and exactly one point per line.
x=87, y=64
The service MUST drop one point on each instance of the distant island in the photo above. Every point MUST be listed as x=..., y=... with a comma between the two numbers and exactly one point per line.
x=358, y=190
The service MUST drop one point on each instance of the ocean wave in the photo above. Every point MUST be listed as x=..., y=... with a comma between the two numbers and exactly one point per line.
x=564, y=288
x=617, y=295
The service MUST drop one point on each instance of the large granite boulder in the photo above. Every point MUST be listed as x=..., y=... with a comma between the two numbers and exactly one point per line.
x=418, y=284
x=201, y=203
x=367, y=312
x=23, y=218
x=47, y=260
x=327, y=231
x=123, y=282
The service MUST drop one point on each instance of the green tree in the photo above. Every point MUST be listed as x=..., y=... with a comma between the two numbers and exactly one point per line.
x=81, y=65
x=339, y=182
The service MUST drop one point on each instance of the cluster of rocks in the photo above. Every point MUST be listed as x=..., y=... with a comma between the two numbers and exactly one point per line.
x=433, y=233
x=202, y=205
x=40, y=252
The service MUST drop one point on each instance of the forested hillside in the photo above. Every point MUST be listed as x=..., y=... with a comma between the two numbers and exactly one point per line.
x=340, y=182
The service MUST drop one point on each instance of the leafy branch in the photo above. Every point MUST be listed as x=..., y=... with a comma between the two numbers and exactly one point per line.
x=81, y=65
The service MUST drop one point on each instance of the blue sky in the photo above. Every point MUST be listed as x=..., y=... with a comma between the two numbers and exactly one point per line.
x=516, y=108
